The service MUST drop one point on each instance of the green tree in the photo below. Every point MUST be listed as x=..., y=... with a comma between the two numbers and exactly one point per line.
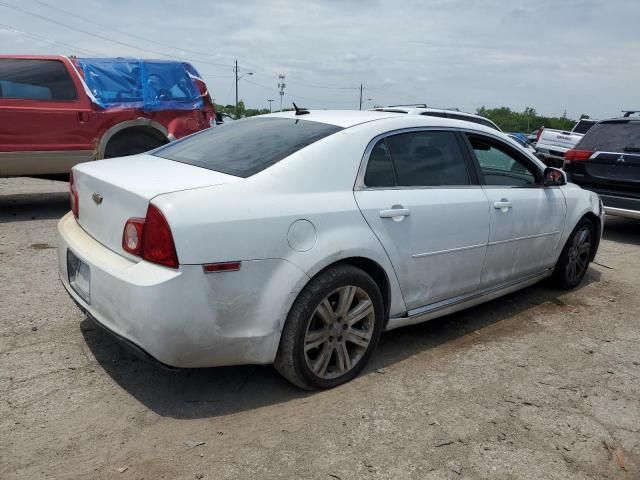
x=525, y=121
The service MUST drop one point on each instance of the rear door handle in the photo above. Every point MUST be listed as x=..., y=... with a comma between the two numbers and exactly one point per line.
x=395, y=212
x=503, y=205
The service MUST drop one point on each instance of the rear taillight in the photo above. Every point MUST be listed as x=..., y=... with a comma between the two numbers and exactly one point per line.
x=132, y=236
x=150, y=238
x=577, y=155
x=539, y=134
x=73, y=197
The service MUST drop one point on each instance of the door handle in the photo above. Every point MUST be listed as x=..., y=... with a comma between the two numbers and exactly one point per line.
x=395, y=212
x=504, y=205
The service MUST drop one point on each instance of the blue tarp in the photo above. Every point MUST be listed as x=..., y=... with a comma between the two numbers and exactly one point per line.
x=150, y=85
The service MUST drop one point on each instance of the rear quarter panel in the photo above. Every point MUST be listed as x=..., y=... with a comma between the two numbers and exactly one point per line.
x=259, y=218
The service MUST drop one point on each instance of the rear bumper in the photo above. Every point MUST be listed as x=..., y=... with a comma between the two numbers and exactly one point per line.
x=184, y=318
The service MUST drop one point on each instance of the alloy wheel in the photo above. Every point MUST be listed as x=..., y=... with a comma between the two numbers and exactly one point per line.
x=339, y=332
x=578, y=254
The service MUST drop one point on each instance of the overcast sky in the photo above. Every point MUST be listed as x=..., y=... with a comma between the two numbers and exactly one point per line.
x=578, y=55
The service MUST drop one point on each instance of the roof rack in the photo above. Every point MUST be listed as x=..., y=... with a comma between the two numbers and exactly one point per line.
x=628, y=113
x=419, y=105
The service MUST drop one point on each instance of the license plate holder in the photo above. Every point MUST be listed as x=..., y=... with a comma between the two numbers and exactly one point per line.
x=79, y=275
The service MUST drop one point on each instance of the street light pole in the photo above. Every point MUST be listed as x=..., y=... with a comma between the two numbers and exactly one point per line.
x=270, y=101
x=360, y=96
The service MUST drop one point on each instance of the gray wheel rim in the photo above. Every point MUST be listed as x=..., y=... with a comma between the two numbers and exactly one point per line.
x=578, y=254
x=339, y=332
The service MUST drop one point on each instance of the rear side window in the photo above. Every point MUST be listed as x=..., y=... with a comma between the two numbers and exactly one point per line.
x=35, y=80
x=435, y=114
x=616, y=136
x=246, y=147
x=417, y=159
x=380, y=169
x=583, y=126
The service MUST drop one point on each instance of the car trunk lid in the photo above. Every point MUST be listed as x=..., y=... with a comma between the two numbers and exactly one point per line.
x=112, y=191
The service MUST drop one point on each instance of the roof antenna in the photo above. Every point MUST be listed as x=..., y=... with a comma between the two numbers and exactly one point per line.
x=300, y=111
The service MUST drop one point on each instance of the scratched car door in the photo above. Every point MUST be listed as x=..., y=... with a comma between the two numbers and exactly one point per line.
x=420, y=197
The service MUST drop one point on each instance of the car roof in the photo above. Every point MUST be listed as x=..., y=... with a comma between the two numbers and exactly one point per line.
x=340, y=118
x=418, y=110
x=351, y=118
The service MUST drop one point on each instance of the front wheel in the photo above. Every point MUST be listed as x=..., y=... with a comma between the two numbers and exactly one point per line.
x=575, y=257
x=332, y=329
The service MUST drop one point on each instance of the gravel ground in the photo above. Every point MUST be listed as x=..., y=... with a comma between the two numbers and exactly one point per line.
x=540, y=384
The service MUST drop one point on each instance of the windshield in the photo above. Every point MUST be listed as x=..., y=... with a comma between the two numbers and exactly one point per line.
x=246, y=147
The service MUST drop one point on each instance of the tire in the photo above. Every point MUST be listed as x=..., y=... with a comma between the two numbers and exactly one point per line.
x=575, y=254
x=316, y=351
x=126, y=144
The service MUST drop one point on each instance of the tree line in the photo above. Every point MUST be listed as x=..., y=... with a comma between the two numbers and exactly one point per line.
x=525, y=121
x=507, y=119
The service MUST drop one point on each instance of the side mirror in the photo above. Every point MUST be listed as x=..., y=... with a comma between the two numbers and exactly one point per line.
x=554, y=177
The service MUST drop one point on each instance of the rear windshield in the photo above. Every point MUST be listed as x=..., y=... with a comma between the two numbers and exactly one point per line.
x=615, y=136
x=246, y=147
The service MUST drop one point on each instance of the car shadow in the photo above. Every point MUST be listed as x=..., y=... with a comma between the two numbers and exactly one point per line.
x=212, y=392
x=33, y=206
x=622, y=230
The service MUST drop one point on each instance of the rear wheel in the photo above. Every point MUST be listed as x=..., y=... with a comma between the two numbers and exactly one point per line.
x=133, y=143
x=575, y=257
x=332, y=329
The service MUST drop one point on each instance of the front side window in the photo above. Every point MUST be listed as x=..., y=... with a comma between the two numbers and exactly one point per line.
x=26, y=79
x=499, y=165
x=417, y=159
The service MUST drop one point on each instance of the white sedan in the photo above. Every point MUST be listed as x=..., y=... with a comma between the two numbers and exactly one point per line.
x=298, y=238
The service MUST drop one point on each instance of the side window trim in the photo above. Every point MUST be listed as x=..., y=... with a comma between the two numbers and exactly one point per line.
x=469, y=159
x=501, y=145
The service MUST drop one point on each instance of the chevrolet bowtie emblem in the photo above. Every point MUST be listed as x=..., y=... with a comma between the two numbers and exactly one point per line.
x=97, y=198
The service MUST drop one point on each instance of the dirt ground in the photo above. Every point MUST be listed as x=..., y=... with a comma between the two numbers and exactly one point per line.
x=540, y=384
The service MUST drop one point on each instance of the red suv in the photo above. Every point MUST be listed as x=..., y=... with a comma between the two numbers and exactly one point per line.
x=58, y=111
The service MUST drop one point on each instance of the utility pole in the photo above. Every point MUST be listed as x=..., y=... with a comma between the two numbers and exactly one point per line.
x=270, y=101
x=238, y=78
x=236, y=70
x=360, y=96
x=281, y=86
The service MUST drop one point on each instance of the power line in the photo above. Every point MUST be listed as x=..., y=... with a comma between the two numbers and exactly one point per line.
x=44, y=39
x=88, y=20
x=328, y=87
x=143, y=49
x=102, y=37
x=273, y=89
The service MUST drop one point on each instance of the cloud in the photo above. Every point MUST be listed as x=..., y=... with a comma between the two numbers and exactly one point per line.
x=547, y=54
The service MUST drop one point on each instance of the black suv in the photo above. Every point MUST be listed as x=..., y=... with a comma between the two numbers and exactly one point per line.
x=607, y=161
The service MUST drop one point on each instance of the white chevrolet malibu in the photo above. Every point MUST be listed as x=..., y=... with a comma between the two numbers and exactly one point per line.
x=298, y=238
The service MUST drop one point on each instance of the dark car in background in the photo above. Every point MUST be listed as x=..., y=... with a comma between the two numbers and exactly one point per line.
x=607, y=161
